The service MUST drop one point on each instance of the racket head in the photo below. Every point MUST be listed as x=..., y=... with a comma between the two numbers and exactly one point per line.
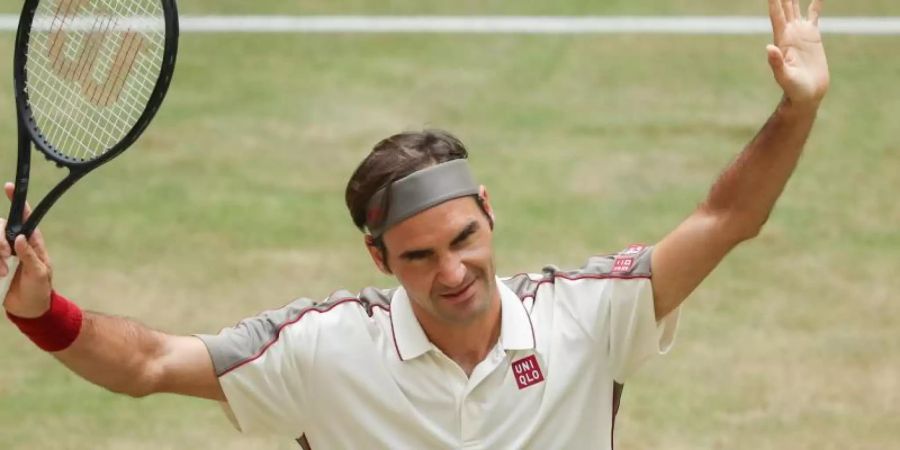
x=90, y=75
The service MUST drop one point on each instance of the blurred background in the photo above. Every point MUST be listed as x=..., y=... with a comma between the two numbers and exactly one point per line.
x=232, y=203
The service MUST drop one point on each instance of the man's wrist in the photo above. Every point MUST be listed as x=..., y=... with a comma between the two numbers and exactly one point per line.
x=56, y=329
x=791, y=108
x=30, y=311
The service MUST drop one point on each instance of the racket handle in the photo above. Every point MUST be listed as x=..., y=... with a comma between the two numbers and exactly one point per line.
x=12, y=263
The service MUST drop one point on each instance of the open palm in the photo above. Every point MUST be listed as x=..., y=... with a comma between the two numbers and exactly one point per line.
x=798, y=57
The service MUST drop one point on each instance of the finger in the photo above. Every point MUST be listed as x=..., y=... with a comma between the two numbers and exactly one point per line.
x=5, y=249
x=788, y=9
x=776, y=14
x=796, y=8
x=5, y=253
x=30, y=261
x=815, y=8
x=776, y=61
x=37, y=243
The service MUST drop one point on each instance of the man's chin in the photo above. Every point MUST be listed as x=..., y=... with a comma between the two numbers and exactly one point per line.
x=464, y=311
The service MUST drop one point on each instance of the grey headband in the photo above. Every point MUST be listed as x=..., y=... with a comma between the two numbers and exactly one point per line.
x=417, y=192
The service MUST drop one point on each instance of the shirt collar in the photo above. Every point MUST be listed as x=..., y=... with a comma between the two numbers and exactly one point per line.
x=409, y=337
x=516, y=330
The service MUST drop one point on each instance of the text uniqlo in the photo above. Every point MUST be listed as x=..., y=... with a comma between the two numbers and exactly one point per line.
x=527, y=372
x=622, y=264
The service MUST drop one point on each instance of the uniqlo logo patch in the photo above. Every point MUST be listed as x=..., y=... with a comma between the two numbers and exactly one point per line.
x=622, y=264
x=527, y=372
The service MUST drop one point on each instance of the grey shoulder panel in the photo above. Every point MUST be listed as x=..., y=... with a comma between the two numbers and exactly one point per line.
x=633, y=262
x=247, y=340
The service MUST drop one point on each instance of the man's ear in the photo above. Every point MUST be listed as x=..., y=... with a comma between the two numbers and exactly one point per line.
x=377, y=255
x=485, y=204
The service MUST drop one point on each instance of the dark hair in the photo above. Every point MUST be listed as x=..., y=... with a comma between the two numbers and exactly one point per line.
x=394, y=158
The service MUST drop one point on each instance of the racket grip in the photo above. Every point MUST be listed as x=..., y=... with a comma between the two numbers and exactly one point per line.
x=12, y=263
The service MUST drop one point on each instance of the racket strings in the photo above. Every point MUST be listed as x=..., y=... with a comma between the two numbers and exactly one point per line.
x=91, y=67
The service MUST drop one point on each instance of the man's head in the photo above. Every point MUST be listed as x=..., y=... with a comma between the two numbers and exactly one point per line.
x=443, y=254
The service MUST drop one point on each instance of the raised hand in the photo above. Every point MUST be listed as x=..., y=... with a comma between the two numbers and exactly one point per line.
x=798, y=57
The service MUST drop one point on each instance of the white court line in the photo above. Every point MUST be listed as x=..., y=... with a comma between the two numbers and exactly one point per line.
x=511, y=24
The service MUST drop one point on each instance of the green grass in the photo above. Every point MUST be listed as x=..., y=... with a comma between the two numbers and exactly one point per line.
x=232, y=203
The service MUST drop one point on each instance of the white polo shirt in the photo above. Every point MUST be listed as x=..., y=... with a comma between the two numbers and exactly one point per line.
x=358, y=372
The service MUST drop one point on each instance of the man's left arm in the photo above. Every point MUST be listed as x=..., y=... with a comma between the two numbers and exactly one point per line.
x=742, y=198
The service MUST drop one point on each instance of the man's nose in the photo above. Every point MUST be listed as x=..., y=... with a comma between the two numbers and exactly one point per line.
x=452, y=271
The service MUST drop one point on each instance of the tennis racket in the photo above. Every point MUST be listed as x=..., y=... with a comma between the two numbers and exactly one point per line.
x=89, y=75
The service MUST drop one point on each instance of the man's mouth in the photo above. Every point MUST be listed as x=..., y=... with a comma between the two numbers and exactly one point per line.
x=460, y=294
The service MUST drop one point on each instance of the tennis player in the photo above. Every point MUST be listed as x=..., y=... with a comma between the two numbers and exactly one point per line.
x=454, y=357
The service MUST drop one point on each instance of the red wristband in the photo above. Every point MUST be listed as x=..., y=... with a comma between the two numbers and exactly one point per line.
x=56, y=329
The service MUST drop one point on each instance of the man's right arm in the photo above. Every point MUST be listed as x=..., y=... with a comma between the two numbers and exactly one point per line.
x=128, y=358
x=116, y=353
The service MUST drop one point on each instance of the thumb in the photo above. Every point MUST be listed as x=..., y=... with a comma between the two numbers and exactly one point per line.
x=776, y=61
x=30, y=297
x=31, y=263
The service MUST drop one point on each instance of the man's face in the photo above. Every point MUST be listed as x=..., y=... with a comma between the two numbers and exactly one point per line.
x=443, y=257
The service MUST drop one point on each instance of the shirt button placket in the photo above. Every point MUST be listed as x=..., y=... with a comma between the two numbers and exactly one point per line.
x=470, y=418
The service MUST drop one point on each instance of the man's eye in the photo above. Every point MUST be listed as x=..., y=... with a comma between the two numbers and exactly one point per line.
x=463, y=240
x=417, y=256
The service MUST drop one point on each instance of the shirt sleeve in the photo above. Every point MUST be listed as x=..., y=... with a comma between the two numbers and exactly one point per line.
x=258, y=365
x=612, y=297
x=635, y=335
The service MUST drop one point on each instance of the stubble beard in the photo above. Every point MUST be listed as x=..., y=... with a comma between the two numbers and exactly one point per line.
x=472, y=310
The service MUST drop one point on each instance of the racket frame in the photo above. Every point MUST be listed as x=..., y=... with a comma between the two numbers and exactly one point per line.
x=29, y=133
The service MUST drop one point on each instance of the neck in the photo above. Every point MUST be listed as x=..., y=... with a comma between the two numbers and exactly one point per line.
x=466, y=344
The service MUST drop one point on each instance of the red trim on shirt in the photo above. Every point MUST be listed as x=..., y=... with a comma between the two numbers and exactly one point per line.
x=601, y=276
x=534, y=294
x=591, y=276
x=272, y=342
x=394, y=336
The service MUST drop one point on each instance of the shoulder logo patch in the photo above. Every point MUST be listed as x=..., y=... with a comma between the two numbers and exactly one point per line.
x=527, y=372
x=621, y=264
